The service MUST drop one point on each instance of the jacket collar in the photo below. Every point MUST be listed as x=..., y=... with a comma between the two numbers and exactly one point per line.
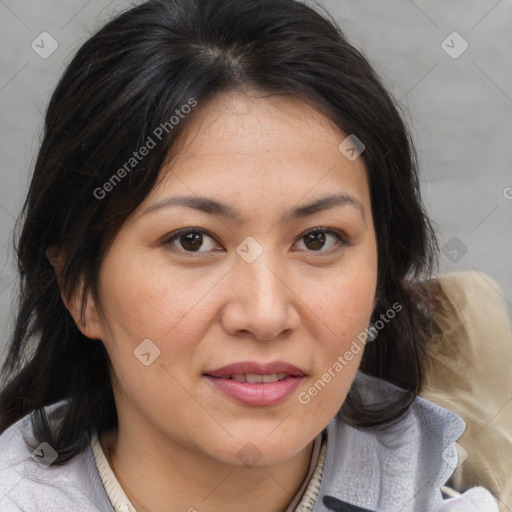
x=400, y=468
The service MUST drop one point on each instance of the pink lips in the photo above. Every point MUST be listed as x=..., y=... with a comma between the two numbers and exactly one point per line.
x=257, y=393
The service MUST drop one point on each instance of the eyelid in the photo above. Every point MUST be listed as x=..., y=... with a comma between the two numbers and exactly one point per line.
x=341, y=237
x=168, y=239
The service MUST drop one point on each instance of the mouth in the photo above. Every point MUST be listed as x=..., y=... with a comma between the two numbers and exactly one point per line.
x=254, y=372
x=255, y=378
x=255, y=384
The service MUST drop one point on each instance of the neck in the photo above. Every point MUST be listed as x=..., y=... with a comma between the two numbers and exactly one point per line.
x=188, y=482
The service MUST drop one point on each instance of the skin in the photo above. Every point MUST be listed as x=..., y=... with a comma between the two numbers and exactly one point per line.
x=178, y=438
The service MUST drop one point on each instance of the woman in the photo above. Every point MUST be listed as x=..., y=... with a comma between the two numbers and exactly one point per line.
x=217, y=256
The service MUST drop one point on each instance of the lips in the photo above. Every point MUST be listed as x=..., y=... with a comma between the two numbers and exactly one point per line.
x=252, y=371
x=254, y=378
x=256, y=385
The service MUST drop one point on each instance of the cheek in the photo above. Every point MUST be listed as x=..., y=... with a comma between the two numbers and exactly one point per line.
x=345, y=305
x=153, y=330
x=153, y=306
x=341, y=316
x=147, y=300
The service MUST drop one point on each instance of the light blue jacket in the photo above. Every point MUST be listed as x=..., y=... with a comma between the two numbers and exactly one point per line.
x=399, y=469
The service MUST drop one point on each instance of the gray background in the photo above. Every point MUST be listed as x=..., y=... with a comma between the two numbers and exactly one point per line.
x=460, y=110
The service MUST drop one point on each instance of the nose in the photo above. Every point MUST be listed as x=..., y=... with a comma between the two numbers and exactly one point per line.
x=261, y=299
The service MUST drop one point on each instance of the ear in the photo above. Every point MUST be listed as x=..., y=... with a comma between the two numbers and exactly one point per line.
x=90, y=325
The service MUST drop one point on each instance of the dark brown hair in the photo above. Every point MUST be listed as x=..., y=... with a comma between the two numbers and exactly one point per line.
x=131, y=77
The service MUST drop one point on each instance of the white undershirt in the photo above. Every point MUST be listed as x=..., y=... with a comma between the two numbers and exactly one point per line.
x=303, y=501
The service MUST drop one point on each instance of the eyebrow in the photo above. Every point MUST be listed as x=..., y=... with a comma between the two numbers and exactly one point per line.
x=213, y=207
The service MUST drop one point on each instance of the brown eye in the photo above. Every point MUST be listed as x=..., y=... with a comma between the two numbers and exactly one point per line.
x=191, y=240
x=316, y=240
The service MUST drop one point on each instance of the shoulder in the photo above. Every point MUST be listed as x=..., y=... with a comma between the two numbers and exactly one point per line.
x=474, y=336
x=29, y=481
x=400, y=467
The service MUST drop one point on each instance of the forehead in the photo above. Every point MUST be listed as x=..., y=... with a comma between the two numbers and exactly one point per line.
x=255, y=123
x=260, y=147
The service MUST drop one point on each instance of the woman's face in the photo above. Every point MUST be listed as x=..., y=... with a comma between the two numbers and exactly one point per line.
x=246, y=289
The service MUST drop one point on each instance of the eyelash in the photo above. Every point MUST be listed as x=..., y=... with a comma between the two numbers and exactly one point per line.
x=341, y=239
